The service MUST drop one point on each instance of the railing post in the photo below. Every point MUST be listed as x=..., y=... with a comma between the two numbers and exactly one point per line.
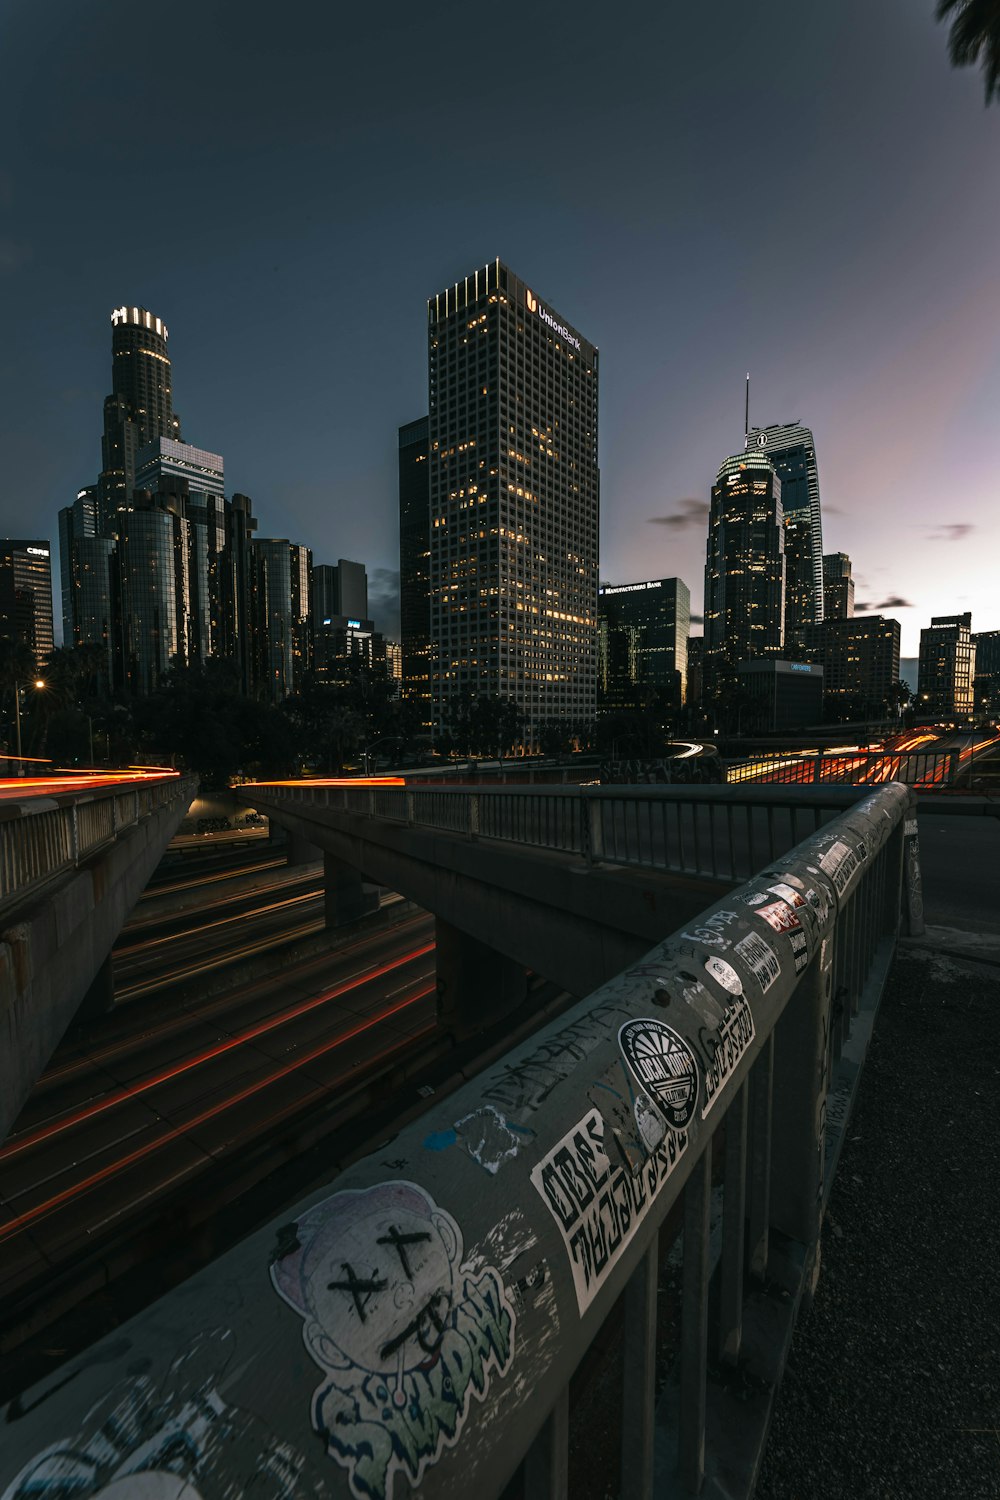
x=694, y=1323
x=818, y=767
x=638, y=1387
x=473, y=815
x=913, y=895
x=546, y=1464
x=74, y=836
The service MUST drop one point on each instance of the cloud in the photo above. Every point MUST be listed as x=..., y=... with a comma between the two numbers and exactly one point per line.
x=863, y=607
x=383, y=601
x=689, y=512
x=948, y=533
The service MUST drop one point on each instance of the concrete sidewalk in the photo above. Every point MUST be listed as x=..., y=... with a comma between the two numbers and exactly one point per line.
x=893, y=1385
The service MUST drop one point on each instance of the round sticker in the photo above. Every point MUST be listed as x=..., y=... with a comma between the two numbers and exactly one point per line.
x=664, y=1064
x=724, y=974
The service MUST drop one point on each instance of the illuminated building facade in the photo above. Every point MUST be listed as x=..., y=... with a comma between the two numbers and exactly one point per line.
x=792, y=451
x=946, y=667
x=860, y=657
x=26, y=596
x=414, y=566
x=513, y=492
x=987, y=678
x=282, y=616
x=85, y=568
x=151, y=589
x=838, y=587
x=642, y=643
x=744, y=564
x=139, y=409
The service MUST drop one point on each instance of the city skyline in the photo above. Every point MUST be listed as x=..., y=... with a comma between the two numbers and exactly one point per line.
x=282, y=309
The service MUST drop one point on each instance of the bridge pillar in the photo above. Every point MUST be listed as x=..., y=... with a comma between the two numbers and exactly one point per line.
x=100, y=997
x=300, y=851
x=346, y=896
x=476, y=985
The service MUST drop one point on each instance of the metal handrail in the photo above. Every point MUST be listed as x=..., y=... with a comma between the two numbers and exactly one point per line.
x=423, y=1315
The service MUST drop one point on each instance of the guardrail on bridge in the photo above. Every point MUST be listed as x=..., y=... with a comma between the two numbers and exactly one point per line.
x=423, y=1315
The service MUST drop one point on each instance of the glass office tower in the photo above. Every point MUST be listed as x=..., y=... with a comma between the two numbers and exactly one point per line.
x=139, y=409
x=414, y=563
x=513, y=493
x=792, y=451
x=745, y=563
x=26, y=596
x=642, y=643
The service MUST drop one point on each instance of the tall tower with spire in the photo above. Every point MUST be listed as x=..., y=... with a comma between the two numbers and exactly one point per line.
x=791, y=449
x=139, y=408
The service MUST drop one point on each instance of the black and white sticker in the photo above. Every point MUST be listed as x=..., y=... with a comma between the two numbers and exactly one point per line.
x=665, y=1066
x=800, y=950
x=762, y=959
x=733, y=1038
x=724, y=974
x=840, y=863
x=788, y=893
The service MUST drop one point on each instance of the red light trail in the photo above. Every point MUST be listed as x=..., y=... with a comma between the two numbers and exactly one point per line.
x=250, y=1033
x=42, y=1210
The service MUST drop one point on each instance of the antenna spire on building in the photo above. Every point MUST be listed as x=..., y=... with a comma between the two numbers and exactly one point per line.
x=746, y=413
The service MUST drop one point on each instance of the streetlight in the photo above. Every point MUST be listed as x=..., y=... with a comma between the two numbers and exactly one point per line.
x=38, y=683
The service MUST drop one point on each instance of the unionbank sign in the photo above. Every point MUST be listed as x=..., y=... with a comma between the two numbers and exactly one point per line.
x=546, y=317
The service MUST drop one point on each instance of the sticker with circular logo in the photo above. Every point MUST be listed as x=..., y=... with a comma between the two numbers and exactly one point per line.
x=724, y=974
x=664, y=1064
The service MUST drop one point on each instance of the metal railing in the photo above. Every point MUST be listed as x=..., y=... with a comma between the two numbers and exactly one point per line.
x=41, y=838
x=917, y=768
x=717, y=832
x=424, y=1314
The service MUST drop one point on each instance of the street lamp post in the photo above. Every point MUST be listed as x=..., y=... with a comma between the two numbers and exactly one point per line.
x=39, y=683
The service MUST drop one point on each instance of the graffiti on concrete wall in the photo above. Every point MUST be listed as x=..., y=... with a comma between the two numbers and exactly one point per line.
x=173, y=1438
x=404, y=1331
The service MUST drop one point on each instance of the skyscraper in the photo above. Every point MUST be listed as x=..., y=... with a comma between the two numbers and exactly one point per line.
x=26, y=596
x=282, y=616
x=838, y=587
x=85, y=565
x=139, y=409
x=513, y=495
x=642, y=642
x=153, y=599
x=745, y=563
x=792, y=451
x=947, y=666
x=414, y=559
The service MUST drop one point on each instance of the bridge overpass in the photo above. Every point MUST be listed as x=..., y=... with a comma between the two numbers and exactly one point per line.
x=75, y=854
x=423, y=1315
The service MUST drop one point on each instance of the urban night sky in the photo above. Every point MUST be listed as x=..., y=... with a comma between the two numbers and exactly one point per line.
x=807, y=192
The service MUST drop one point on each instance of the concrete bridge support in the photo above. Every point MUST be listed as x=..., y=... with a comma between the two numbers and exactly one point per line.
x=476, y=985
x=346, y=897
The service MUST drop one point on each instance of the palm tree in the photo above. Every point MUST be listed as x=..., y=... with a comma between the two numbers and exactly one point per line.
x=975, y=37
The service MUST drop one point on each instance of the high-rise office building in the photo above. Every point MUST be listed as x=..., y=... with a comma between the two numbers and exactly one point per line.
x=86, y=562
x=987, y=677
x=838, y=587
x=152, y=597
x=860, y=659
x=414, y=560
x=340, y=590
x=282, y=616
x=745, y=563
x=138, y=410
x=947, y=666
x=26, y=596
x=513, y=495
x=792, y=450
x=642, y=641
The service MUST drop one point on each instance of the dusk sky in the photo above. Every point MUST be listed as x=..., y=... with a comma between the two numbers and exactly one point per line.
x=808, y=192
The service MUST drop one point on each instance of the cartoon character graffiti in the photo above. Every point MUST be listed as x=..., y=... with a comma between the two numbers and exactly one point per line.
x=404, y=1332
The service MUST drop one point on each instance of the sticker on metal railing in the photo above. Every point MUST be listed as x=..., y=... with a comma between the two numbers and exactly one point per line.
x=727, y=1046
x=724, y=974
x=762, y=959
x=405, y=1332
x=597, y=1204
x=664, y=1064
x=778, y=915
x=840, y=863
